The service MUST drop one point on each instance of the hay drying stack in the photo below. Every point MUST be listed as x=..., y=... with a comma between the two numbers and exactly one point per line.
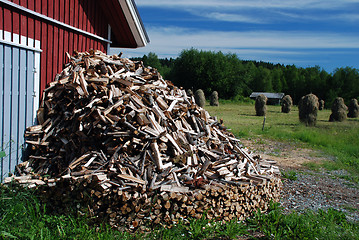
x=353, y=108
x=214, y=99
x=189, y=93
x=130, y=147
x=200, y=98
x=339, y=110
x=308, y=109
x=321, y=104
x=287, y=104
x=260, y=105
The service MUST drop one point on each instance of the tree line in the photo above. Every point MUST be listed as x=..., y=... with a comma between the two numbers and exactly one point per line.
x=234, y=78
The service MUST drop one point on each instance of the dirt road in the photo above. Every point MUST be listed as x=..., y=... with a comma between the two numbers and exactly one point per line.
x=304, y=188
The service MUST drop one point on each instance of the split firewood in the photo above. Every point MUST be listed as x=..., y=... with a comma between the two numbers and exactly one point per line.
x=128, y=144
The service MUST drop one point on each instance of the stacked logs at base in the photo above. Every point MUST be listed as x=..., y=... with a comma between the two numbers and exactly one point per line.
x=133, y=209
x=133, y=147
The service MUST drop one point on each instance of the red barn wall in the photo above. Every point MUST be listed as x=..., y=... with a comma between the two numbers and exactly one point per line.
x=55, y=39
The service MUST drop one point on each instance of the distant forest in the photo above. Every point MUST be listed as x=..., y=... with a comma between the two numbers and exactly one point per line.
x=236, y=79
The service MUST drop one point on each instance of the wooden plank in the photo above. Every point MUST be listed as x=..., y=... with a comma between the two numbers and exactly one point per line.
x=174, y=143
x=131, y=178
x=171, y=188
x=157, y=155
x=77, y=161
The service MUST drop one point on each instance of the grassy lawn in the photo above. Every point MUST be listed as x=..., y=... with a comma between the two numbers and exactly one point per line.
x=22, y=217
x=337, y=139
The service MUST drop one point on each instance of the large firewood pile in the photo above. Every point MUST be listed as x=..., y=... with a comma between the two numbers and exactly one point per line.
x=115, y=135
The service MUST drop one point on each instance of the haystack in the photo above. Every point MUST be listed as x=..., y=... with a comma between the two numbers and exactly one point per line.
x=189, y=93
x=214, y=99
x=261, y=105
x=308, y=109
x=339, y=110
x=321, y=104
x=200, y=98
x=353, y=108
x=287, y=104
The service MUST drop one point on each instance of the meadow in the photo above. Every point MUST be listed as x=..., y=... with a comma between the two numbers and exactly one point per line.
x=23, y=217
x=339, y=141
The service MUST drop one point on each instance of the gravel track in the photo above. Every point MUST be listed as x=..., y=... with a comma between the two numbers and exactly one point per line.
x=321, y=190
x=309, y=189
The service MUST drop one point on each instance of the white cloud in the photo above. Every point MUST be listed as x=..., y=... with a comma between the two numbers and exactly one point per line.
x=262, y=11
x=184, y=37
x=349, y=17
x=275, y=16
x=324, y=17
x=272, y=46
x=221, y=4
x=230, y=17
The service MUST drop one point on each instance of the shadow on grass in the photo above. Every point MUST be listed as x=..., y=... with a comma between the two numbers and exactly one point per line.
x=250, y=115
x=288, y=124
x=353, y=119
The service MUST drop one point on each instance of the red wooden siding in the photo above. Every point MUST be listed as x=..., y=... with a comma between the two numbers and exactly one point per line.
x=36, y=34
x=55, y=39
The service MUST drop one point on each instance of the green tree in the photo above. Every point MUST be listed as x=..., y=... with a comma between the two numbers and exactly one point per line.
x=291, y=75
x=277, y=79
x=262, y=81
x=151, y=60
x=230, y=76
x=210, y=71
x=346, y=81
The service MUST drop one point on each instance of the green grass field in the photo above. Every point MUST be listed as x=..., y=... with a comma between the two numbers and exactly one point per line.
x=339, y=140
x=22, y=216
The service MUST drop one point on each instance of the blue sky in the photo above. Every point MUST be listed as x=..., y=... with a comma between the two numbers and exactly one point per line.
x=300, y=32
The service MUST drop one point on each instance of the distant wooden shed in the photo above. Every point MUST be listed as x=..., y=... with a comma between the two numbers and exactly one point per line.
x=273, y=98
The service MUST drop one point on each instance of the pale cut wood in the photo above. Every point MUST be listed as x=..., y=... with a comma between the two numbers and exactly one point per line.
x=131, y=146
x=131, y=178
x=156, y=155
x=171, y=188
